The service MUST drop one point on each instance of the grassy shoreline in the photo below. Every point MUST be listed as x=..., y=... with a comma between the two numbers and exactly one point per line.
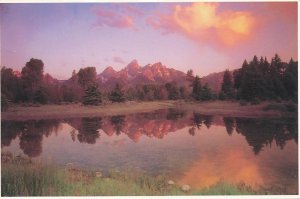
x=223, y=108
x=23, y=177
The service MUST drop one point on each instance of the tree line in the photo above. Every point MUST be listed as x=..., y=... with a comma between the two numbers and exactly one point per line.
x=33, y=86
x=256, y=80
x=260, y=80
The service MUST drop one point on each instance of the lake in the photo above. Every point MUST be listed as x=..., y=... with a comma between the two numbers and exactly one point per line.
x=188, y=147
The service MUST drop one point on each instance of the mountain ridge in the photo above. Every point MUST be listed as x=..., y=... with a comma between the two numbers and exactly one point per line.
x=134, y=74
x=157, y=73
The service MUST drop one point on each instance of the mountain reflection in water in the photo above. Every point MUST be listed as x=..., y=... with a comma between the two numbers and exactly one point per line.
x=195, y=149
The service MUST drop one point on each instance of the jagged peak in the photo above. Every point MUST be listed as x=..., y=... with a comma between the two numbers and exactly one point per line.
x=109, y=69
x=158, y=65
x=133, y=64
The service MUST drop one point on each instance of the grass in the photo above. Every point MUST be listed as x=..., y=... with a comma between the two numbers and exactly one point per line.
x=21, y=177
x=223, y=188
x=224, y=108
x=18, y=112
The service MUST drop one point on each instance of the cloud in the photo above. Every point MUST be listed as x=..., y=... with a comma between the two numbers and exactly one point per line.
x=118, y=16
x=286, y=10
x=118, y=60
x=203, y=22
x=130, y=9
x=111, y=18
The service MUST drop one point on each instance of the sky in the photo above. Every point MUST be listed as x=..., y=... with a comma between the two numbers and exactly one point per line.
x=204, y=37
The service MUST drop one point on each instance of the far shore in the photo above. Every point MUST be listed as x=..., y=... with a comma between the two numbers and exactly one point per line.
x=222, y=108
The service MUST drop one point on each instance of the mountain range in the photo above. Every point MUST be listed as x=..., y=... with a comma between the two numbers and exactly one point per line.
x=134, y=74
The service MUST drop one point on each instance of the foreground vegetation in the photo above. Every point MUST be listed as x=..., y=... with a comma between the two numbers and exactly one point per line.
x=224, y=108
x=22, y=177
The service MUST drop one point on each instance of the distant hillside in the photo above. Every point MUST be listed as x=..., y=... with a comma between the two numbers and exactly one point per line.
x=214, y=81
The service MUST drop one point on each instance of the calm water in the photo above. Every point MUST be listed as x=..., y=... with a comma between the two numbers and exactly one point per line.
x=190, y=148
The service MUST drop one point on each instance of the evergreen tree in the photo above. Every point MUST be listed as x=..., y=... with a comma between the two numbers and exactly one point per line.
x=172, y=89
x=190, y=77
x=117, y=94
x=227, y=90
x=277, y=69
x=92, y=95
x=291, y=80
x=196, y=93
x=206, y=93
x=262, y=80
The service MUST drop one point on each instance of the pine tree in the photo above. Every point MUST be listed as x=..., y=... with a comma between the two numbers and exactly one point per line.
x=117, y=94
x=291, y=80
x=92, y=95
x=227, y=90
x=277, y=69
x=190, y=77
x=196, y=93
x=206, y=93
x=173, y=91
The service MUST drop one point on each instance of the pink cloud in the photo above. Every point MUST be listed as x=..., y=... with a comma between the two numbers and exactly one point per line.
x=130, y=9
x=120, y=16
x=286, y=10
x=204, y=23
x=118, y=60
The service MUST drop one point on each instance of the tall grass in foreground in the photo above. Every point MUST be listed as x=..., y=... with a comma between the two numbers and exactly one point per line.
x=24, y=178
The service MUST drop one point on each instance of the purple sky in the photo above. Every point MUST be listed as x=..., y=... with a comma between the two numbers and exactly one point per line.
x=205, y=37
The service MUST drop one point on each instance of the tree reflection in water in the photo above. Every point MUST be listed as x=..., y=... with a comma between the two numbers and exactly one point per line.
x=118, y=123
x=262, y=132
x=197, y=121
x=259, y=133
x=174, y=114
x=9, y=132
x=88, y=132
x=229, y=124
x=30, y=134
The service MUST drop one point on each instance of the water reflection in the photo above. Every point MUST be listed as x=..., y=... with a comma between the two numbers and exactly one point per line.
x=229, y=124
x=259, y=133
x=174, y=114
x=198, y=149
x=30, y=134
x=118, y=123
x=198, y=120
